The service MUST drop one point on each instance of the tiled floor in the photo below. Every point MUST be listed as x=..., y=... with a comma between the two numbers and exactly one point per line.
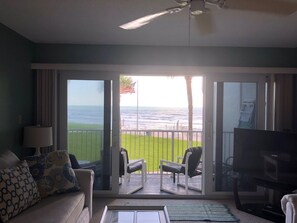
x=152, y=185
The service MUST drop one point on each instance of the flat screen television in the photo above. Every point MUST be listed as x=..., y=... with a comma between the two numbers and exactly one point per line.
x=253, y=148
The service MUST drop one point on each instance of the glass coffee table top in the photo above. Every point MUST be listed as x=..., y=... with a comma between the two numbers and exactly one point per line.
x=135, y=214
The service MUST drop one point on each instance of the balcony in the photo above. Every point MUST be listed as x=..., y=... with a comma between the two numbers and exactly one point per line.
x=152, y=145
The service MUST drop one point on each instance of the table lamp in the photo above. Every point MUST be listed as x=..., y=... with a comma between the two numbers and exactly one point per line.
x=37, y=136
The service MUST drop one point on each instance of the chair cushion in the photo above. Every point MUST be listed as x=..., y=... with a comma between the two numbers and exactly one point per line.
x=171, y=168
x=194, y=160
x=121, y=161
x=134, y=167
x=18, y=190
x=192, y=163
x=74, y=162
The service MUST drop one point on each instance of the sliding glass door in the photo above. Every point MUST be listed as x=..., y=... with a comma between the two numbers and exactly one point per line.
x=232, y=101
x=87, y=107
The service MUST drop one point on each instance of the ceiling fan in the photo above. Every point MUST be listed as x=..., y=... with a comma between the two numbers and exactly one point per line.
x=198, y=7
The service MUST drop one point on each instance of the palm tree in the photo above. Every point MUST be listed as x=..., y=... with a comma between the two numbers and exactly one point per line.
x=190, y=107
x=126, y=85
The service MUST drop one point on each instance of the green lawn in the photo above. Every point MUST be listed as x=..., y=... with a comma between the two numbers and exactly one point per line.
x=86, y=146
x=153, y=148
x=80, y=126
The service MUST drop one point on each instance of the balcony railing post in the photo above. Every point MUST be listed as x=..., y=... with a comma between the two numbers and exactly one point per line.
x=155, y=144
x=172, y=146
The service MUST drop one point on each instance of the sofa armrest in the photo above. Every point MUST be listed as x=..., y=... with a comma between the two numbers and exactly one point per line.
x=85, y=178
x=289, y=207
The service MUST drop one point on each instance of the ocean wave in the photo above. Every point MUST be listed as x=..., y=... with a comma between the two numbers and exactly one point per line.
x=141, y=118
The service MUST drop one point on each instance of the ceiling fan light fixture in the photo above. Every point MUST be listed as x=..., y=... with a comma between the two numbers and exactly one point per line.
x=197, y=12
x=218, y=3
x=197, y=7
x=182, y=2
x=175, y=9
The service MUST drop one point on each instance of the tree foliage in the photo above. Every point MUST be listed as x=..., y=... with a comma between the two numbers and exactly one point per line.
x=126, y=85
x=126, y=81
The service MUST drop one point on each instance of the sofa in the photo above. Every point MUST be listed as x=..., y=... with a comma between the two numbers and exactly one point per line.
x=289, y=207
x=63, y=205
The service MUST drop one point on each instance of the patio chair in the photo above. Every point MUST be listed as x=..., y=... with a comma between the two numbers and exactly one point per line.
x=188, y=167
x=76, y=165
x=127, y=167
x=95, y=166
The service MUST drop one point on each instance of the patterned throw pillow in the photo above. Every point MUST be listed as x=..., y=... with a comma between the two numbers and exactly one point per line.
x=8, y=159
x=18, y=190
x=53, y=173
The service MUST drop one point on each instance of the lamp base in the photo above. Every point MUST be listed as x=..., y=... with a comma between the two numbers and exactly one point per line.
x=37, y=151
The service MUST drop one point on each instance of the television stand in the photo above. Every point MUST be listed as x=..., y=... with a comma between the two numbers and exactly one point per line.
x=263, y=210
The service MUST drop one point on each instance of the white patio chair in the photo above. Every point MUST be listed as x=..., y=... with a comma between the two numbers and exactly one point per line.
x=188, y=167
x=128, y=167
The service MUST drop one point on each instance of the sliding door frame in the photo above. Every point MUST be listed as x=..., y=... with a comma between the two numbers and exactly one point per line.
x=117, y=69
x=64, y=76
x=210, y=125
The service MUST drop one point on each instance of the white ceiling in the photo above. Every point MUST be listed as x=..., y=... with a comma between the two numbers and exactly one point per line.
x=97, y=21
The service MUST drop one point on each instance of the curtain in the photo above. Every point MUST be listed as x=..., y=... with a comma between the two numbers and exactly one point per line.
x=284, y=102
x=47, y=103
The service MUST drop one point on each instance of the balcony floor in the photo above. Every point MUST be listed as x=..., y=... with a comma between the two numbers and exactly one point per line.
x=152, y=185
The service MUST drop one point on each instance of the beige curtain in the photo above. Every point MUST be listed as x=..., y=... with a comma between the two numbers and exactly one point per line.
x=284, y=102
x=47, y=103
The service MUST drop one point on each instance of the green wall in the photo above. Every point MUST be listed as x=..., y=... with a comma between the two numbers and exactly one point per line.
x=16, y=88
x=17, y=79
x=177, y=56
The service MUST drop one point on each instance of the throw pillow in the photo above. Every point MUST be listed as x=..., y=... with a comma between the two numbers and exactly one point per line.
x=53, y=173
x=18, y=190
x=8, y=159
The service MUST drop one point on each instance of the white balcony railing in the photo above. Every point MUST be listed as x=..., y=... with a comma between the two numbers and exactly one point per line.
x=152, y=145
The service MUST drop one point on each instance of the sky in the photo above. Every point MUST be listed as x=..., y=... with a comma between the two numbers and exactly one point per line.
x=85, y=92
x=163, y=92
x=152, y=91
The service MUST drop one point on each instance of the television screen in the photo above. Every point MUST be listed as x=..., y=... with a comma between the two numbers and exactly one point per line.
x=265, y=152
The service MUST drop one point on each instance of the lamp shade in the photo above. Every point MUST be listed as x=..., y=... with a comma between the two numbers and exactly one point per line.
x=36, y=136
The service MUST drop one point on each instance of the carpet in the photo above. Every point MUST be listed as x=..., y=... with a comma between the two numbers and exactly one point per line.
x=201, y=212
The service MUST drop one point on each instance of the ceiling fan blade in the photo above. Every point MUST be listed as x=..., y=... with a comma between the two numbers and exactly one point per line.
x=149, y=18
x=268, y=6
x=142, y=21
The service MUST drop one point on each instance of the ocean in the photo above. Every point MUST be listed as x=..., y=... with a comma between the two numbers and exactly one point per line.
x=149, y=118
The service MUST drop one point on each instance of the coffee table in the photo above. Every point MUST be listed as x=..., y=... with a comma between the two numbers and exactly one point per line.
x=135, y=214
